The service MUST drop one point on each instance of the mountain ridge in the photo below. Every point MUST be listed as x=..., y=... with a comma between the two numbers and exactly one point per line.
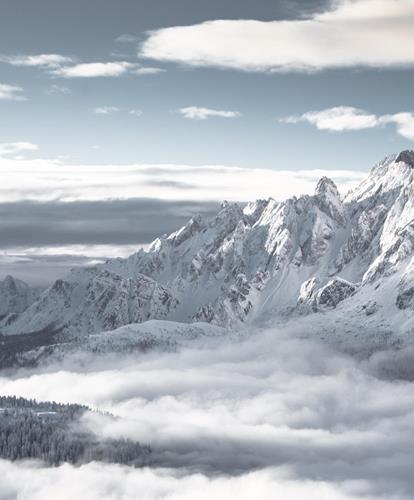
x=245, y=266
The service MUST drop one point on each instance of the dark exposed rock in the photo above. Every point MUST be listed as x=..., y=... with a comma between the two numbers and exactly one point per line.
x=407, y=157
x=405, y=299
x=334, y=292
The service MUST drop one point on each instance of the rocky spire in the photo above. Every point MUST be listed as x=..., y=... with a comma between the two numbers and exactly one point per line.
x=406, y=157
x=328, y=199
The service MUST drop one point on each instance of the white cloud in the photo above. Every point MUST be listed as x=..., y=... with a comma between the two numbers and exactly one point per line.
x=148, y=70
x=58, y=90
x=343, y=118
x=106, y=110
x=104, y=69
x=11, y=92
x=98, y=481
x=41, y=60
x=59, y=65
x=126, y=38
x=404, y=122
x=367, y=33
x=135, y=112
x=266, y=415
x=198, y=113
x=53, y=180
x=95, y=69
x=338, y=118
x=10, y=148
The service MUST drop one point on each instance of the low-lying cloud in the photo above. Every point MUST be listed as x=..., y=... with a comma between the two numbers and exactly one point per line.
x=288, y=414
x=75, y=211
x=111, y=482
x=43, y=240
x=10, y=148
x=47, y=180
x=123, y=222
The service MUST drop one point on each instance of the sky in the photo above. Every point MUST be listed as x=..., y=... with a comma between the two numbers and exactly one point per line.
x=171, y=106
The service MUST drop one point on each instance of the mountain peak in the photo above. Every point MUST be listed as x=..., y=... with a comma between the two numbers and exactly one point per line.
x=328, y=199
x=406, y=157
x=326, y=185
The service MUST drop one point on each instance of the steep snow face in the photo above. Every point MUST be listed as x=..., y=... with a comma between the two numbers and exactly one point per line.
x=382, y=210
x=94, y=299
x=15, y=296
x=269, y=260
x=225, y=270
x=328, y=199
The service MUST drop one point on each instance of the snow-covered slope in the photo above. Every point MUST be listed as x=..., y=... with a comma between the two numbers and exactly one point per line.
x=94, y=299
x=15, y=297
x=269, y=261
x=136, y=337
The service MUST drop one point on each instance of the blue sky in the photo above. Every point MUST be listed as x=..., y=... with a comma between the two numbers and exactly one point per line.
x=64, y=123
x=165, y=108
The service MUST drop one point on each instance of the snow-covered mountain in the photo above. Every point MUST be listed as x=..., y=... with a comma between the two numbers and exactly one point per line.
x=15, y=297
x=349, y=258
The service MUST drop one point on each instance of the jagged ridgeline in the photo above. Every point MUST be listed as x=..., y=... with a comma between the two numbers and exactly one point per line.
x=346, y=259
x=53, y=433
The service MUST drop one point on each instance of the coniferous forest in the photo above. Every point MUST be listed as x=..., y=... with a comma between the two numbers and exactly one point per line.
x=51, y=432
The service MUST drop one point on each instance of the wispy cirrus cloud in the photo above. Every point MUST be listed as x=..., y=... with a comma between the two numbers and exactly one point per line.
x=11, y=92
x=135, y=112
x=10, y=148
x=70, y=67
x=94, y=69
x=200, y=113
x=37, y=60
x=382, y=36
x=126, y=38
x=148, y=70
x=58, y=90
x=105, y=110
x=104, y=69
x=347, y=118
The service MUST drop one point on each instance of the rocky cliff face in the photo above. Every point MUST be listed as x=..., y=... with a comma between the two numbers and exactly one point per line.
x=269, y=260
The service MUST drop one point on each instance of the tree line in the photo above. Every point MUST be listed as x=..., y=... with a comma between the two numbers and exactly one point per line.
x=52, y=432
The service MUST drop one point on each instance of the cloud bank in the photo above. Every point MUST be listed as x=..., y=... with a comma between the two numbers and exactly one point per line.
x=111, y=222
x=249, y=414
x=82, y=213
x=111, y=482
x=345, y=118
x=9, y=148
x=46, y=180
x=364, y=33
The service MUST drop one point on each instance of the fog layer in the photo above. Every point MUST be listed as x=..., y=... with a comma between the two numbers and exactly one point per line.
x=260, y=417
